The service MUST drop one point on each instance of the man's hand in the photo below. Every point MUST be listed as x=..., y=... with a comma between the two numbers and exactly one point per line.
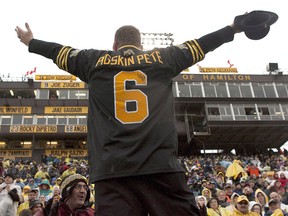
x=24, y=36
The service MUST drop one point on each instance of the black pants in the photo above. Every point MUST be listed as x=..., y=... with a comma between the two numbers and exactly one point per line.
x=162, y=194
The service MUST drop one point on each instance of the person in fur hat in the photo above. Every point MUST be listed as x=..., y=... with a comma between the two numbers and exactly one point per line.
x=74, y=199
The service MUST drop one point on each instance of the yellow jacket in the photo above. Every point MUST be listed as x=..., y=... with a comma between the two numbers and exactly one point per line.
x=22, y=206
x=221, y=212
x=238, y=213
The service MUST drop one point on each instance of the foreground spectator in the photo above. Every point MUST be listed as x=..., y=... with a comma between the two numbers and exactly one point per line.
x=274, y=208
x=214, y=209
x=75, y=198
x=9, y=196
x=32, y=195
x=242, y=207
x=276, y=196
x=35, y=206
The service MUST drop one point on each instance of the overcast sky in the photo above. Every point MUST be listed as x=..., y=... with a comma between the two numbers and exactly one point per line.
x=91, y=24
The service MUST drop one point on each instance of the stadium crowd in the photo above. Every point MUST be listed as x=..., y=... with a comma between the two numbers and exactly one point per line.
x=222, y=184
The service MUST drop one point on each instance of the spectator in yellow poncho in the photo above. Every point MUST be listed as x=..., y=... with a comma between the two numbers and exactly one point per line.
x=235, y=171
x=214, y=209
x=70, y=171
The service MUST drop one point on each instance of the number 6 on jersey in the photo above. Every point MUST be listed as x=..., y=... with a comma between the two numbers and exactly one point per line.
x=122, y=96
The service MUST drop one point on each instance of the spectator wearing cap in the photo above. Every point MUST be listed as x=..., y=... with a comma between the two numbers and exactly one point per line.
x=275, y=209
x=74, y=198
x=19, y=181
x=32, y=195
x=229, y=191
x=261, y=198
x=9, y=195
x=242, y=207
x=211, y=185
x=35, y=206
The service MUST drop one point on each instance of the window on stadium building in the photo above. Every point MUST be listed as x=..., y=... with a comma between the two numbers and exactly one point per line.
x=42, y=94
x=239, y=112
x=221, y=90
x=225, y=112
x=62, y=120
x=63, y=94
x=269, y=90
x=245, y=90
x=258, y=90
x=285, y=110
x=27, y=119
x=78, y=94
x=209, y=90
x=72, y=120
x=41, y=120
x=184, y=90
x=17, y=119
x=82, y=120
x=52, y=120
x=234, y=90
x=250, y=112
x=196, y=89
x=275, y=112
x=264, y=112
x=6, y=120
x=282, y=90
x=219, y=112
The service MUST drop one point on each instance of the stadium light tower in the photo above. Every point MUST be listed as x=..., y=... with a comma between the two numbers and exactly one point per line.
x=159, y=40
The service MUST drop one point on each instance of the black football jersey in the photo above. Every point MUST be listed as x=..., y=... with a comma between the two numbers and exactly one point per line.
x=131, y=121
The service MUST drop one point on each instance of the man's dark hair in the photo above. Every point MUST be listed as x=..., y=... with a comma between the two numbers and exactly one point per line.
x=128, y=35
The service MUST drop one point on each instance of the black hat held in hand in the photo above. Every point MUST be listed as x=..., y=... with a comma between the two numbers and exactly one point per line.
x=256, y=24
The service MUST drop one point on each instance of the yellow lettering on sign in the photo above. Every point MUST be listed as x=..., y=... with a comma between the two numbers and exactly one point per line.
x=15, y=109
x=67, y=110
x=67, y=152
x=62, y=85
x=76, y=129
x=33, y=129
x=15, y=153
x=55, y=77
x=217, y=69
